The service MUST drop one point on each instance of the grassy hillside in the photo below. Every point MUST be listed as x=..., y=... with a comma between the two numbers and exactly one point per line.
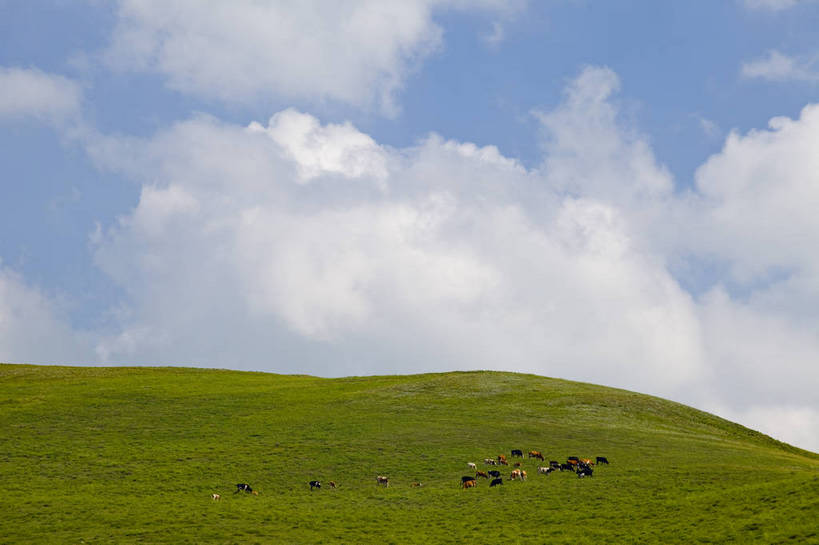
x=132, y=455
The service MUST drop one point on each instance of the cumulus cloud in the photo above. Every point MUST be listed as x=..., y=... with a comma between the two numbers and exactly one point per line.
x=29, y=92
x=780, y=67
x=298, y=246
x=34, y=327
x=358, y=53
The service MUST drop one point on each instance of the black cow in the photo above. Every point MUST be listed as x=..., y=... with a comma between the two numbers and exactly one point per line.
x=467, y=478
x=495, y=482
x=567, y=467
x=582, y=472
x=602, y=460
x=575, y=458
x=243, y=486
x=315, y=484
x=494, y=473
x=517, y=452
x=554, y=463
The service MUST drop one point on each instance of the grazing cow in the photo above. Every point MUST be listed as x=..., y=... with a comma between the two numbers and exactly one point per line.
x=494, y=473
x=573, y=462
x=567, y=467
x=383, y=480
x=489, y=461
x=515, y=474
x=545, y=470
x=496, y=482
x=255, y=492
x=517, y=452
x=315, y=484
x=536, y=454
x=332, y=484
x=467, y=478
x=587, y=461
x=416, y=485
x=243, y=487
x=585, y=471
x=602, y=460
x=469, y=484
x=522, y=474
x=481, y=474
x=518, y=464
x=471, y=465
x=501, y=458
x=554, y=463
x=216, y=497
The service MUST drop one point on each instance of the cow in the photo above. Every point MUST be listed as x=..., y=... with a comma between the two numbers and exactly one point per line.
x=515, y=475
x=501, y=458
x=567, y=467
x=471, y=465
x=496, y=482
x=216, y=497
x=469, y=484
x=243, y=487
x=522, y=474
x=315, y=484
x=517, y=452
x=494, y=473
x=573, y=461
x=587, y=461
x=383, y=480
x=575, y=458
x=481, y=474
x=518, y=464
x=536, y=454
x=545, y=470
x=585, y=471
x=255, y=492
x=554, y=463
x=489, y=461
x=332, y=484
x=602, y=460
x=467, y=478
x=416, y=485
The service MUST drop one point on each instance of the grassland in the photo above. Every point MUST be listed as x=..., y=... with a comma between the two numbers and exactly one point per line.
x=132, y=455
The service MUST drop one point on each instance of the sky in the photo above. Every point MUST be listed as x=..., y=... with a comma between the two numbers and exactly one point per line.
x=623, y=193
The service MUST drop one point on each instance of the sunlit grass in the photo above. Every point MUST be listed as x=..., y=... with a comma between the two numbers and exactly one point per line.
x=132, y=455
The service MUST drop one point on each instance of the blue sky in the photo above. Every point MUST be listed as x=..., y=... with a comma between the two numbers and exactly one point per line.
x=590, y=190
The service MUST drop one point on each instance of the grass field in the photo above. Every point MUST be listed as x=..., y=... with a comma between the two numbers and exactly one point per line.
x=132, y=455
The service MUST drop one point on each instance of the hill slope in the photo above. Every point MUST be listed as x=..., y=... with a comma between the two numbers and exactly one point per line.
x=132, y=455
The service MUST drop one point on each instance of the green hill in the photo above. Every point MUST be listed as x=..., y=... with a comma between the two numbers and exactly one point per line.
x=132, y=455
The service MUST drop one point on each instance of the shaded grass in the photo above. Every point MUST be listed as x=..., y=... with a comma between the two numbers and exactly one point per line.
x=131, y=455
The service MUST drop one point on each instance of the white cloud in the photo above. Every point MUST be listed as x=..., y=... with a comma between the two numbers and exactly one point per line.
x=759, y=198
x=358, y=53
x=33, y=326
x=28, y=92
x=780, y=67
x=298, y=246
x=773, y=5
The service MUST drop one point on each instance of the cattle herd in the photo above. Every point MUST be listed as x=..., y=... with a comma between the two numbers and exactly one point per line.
x=582, y=467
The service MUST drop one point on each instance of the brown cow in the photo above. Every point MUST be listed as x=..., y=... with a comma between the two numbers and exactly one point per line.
x=332, y=484
x=383, y=480
x=481, y=474
x=518, y=464
x=415, y=485
x=470, y=484
x=515, y=475
x=536, y=454
x=216, y=497
x=522, y=474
